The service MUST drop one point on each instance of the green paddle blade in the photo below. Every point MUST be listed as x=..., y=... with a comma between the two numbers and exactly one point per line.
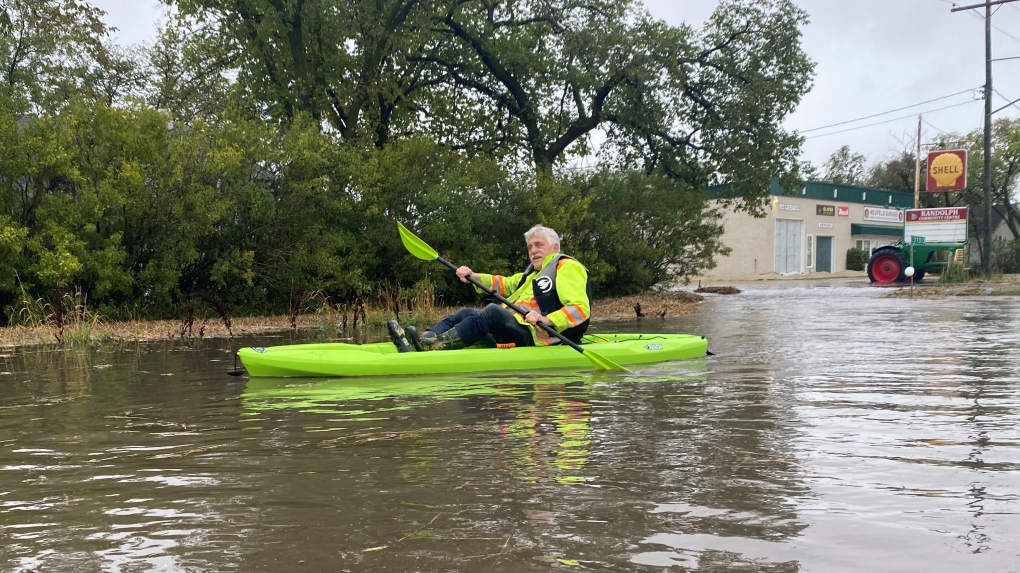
x=416, y=246
x=603, y=363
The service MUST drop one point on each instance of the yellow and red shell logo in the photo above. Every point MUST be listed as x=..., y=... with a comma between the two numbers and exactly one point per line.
x=947, y=170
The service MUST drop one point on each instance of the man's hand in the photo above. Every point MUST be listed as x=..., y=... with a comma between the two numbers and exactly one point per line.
x=464, y=272
x=534, y=317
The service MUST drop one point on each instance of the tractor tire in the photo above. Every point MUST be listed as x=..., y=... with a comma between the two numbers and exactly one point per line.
x=886, y=266
x=918, y=276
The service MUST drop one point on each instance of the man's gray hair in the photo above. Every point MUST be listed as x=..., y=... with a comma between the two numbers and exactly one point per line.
x=548, y=234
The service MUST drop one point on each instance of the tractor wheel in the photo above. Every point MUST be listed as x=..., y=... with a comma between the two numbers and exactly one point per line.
x=886, y=266
x=918, y=276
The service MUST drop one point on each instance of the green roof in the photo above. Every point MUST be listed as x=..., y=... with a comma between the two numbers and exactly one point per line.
x=859, y=229
x=823, y=191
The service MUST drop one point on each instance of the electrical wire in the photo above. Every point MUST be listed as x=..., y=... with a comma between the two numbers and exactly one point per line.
x=982, y=18
x=1010, y=102
x=936, y=128
x=887, y=112
x=889, y=120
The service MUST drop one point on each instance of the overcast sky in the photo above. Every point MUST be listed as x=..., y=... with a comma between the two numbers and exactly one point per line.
x=872, y=56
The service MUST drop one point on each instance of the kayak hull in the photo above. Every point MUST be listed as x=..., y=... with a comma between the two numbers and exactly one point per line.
x=383, y=359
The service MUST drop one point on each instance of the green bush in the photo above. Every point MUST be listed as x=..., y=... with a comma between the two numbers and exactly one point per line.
x=856, y=259
x=139, y=216
x=1006, y=255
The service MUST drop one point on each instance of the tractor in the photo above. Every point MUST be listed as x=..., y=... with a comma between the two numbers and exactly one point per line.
x=889, y=264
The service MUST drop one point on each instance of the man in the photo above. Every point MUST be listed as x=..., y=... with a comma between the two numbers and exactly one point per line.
x=554, y=290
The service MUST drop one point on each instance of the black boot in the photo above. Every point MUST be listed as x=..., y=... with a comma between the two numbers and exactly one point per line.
x=448, y=340
x=398, y=336
x=415, y=338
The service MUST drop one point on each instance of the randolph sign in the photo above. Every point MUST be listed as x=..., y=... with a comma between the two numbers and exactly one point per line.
x=936, y=215
x=947, y=170
x=946, y=225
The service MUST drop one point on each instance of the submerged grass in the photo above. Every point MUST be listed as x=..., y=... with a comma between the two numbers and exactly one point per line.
x=1005, y=286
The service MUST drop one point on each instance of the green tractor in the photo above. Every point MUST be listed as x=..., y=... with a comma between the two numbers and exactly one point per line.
x=889, y=264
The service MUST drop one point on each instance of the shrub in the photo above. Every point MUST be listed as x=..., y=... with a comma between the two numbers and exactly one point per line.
x=856, y=259
x=1006, y=255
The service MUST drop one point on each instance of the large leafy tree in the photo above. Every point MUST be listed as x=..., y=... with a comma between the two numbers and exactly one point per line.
x=542, y=77
x=182, y=79
x=645, y=230
x=47, y=48
x=339, y=62
x=846, y=167
x=1005, y=188
x=896, y=173
x=533, y=81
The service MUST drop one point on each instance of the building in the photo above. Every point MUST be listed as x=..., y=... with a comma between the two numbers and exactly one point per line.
x=810, y=231
x=1000, y=230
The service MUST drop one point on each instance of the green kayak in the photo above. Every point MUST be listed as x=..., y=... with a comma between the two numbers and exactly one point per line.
x=382, y=358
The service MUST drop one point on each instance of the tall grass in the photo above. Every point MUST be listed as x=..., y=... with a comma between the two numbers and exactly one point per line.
x=954, y=273
x=68, y=315
x=416, y=305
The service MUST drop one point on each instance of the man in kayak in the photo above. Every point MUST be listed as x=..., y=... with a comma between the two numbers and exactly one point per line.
x=554, y=290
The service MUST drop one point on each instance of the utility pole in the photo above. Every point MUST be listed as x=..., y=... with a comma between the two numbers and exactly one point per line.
x=986, y=253
x=917, y=167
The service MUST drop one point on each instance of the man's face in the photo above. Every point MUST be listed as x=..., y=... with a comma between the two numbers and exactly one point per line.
x=539, y=249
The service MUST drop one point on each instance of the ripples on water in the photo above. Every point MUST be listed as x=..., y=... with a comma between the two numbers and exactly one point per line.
x=834, y=430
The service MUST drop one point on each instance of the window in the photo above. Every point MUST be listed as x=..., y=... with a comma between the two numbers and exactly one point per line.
x=809, y=246
x=867, y=245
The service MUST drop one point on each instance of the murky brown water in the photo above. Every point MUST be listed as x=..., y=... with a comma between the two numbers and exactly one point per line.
x=834, y=430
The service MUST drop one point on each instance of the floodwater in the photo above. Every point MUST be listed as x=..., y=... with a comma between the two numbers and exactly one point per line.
x=834, y=429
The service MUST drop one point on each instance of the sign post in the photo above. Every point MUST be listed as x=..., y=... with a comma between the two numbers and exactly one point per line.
x=914, y=240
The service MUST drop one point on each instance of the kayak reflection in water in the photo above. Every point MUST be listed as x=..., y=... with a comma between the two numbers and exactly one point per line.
x=554, y=290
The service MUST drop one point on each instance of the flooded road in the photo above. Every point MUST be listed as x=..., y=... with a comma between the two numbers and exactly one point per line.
x=834, y=430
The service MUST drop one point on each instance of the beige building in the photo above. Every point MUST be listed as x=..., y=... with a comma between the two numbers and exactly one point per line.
x=810, y=231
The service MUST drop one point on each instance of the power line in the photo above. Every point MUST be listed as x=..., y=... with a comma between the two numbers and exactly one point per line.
x=933, y=126
x=889, y=120
x=1012, y=102
x=982, y=18
x=887, y=112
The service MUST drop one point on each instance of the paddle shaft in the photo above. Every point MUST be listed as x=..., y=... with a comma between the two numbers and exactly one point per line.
x=552, y=331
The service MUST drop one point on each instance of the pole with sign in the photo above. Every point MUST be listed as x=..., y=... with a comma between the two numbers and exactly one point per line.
x=914, y=240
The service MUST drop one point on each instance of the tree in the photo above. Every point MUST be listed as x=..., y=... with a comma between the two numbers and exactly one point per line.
x=645, y=230
x=895, y=174
x=181, y=79
x=1005, y=188
x=47, y=47
x=537, y=78
x=845, y=167
x=339, y=62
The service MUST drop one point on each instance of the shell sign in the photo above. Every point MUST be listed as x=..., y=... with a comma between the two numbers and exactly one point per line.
x=947, y=170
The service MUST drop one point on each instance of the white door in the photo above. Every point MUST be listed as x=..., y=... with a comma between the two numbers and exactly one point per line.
x=789, y=246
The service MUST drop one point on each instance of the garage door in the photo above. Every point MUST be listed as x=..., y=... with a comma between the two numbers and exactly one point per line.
x=789, y=246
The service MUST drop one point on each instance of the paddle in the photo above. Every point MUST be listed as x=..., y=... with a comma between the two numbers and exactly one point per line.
x=423, y=251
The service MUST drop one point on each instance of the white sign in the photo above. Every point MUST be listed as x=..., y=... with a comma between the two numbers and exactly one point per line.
x=825, y=225
x=946, y=225
x=884, y=215
x=785, y=207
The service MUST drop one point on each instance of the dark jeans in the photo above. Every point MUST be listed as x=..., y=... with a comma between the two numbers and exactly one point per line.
x=490, y=325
